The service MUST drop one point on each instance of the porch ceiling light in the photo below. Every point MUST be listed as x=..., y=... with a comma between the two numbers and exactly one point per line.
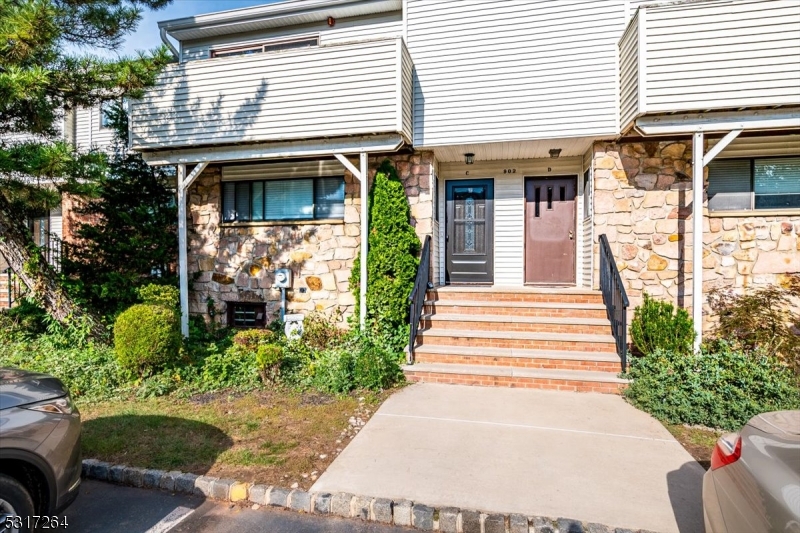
x=555, y=152
x=469, y=158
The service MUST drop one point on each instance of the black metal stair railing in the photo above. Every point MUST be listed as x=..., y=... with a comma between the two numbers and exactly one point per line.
x=615, y=299
x=417, y=297
x=53, y=251
x=14, y=287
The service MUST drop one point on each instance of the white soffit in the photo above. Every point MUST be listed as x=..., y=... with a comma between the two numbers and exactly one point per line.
x=283, y=169
x=280, y=14
x=778, y=145
x=570, y=147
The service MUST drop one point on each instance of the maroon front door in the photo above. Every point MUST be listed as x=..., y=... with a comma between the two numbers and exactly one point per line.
x=550, y=230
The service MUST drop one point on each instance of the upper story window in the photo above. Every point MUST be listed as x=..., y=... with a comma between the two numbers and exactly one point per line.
x=270, y=46
x=753, y=184
x=105, y=116
x=283, y=199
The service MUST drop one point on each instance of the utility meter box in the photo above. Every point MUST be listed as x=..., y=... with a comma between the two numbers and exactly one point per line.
x=283, y=278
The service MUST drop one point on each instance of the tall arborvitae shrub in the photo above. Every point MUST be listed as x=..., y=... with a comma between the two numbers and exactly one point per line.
x=392, y=258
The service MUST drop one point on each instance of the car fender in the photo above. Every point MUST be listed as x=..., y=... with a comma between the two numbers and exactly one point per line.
x=37, y=462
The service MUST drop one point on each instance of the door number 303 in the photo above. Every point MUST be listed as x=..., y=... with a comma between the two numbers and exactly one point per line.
x=509, y=171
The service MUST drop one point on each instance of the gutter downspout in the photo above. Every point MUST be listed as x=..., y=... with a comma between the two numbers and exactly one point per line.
x=166, y=41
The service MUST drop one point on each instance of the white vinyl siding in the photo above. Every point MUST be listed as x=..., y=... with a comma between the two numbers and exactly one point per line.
x=387, y=25
x=718, y=54
x=509, y=208
x=585, y=224
x=56, y=222
x=497, y=70
x=629, y=73
x=351, y=89
x=744, y=146
x=509, y=230
x=88, y=132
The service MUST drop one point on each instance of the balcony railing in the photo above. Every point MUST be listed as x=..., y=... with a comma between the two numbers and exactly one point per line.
x=359, y=88
x=700, y=56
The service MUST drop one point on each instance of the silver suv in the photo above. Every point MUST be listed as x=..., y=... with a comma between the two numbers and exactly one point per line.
x=40, y=452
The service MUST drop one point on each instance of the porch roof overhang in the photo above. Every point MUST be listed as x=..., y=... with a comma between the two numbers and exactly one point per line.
x=719, y=121
x=338, y=148
x=276, y=150
x=731, y=123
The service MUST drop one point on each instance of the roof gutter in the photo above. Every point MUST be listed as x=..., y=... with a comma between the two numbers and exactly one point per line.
x=169, y=44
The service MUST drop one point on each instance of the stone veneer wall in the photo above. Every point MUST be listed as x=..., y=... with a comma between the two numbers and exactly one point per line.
x=643, y=197
x=236, y=262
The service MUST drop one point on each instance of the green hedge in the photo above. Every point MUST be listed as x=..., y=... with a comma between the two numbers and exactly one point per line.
x=146, y=337
x=720, y=387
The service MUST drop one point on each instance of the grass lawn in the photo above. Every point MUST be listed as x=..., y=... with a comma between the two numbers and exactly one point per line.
x=699, y=442
x=271, y=437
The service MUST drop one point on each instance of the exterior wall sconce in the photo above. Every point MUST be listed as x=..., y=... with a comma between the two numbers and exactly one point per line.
x=331, y=22
x=469, y=158
x=555, y=152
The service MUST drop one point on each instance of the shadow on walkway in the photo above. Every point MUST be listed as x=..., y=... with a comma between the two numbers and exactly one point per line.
x=685, y=487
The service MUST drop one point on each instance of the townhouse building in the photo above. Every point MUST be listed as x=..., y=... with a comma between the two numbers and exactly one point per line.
x=561, y=158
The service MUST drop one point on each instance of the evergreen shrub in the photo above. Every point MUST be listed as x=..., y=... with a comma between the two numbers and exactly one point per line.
x=720, y=387
x=146, y=337
x=392, y=257
x=165, y=295
x=658, y=325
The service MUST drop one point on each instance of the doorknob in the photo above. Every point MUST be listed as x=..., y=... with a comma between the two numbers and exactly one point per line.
x=571, y=235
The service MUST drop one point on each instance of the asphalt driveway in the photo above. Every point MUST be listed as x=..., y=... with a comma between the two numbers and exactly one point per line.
x=103, y=508
x=586, y=456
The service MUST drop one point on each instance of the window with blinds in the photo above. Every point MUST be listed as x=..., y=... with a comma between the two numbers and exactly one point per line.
x=752, y=184
x=289, y=199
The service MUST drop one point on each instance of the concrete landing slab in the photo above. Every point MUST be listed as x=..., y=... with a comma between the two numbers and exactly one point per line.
x=585, y=456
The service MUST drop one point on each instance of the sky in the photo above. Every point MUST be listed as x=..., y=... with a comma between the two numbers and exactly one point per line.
x=146, y=36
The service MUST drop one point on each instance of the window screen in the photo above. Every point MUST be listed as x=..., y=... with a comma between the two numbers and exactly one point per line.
x=729, y=185
x=243, y=201
x=289, y=199
x=229, y=201
x=777, y=183
x=329, y=198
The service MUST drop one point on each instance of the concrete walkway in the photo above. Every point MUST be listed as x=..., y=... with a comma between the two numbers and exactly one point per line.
x=585, y=456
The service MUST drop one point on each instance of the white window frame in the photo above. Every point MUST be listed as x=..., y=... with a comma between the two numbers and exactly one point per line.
x=752, y=209
x=261, y=46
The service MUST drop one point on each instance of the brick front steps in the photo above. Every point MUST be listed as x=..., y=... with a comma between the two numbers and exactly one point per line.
x=518, y=339
x=534, y=378
x=567, y=324
x=519, y=357
x=547, y=338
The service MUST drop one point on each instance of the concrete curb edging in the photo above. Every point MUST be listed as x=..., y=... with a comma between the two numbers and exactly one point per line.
x=340, y=504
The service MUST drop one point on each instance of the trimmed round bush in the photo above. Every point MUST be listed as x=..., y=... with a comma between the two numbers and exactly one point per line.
x=146, y=337
x=658, y=325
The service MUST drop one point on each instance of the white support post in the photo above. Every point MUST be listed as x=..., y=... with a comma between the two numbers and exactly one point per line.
x=697, y=238
x=182, y=252
x=362, y=319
